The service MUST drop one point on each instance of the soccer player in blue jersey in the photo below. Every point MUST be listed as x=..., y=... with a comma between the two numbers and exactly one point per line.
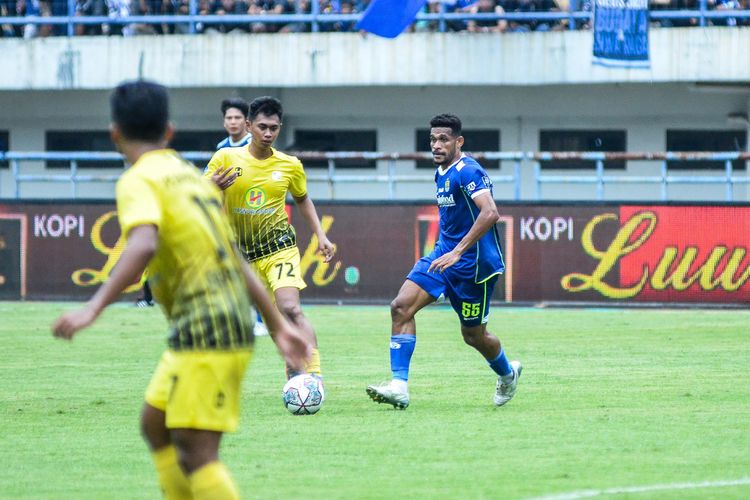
x=464, y=267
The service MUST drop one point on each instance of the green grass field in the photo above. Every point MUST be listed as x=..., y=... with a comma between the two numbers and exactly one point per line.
x=610, y=399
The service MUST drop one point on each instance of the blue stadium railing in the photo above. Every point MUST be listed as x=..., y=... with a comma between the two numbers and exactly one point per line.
x=316, y=19
x=523, y=165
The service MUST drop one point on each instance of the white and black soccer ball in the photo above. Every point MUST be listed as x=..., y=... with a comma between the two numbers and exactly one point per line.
x=303, y=394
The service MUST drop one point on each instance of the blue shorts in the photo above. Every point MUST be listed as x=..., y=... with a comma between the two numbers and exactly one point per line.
x=470, y=300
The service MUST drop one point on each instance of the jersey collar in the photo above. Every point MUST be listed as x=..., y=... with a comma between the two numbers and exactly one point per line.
x=242, y=141
x=443, y=172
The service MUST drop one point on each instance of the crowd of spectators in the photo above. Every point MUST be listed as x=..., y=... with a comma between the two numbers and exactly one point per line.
x=121, y=9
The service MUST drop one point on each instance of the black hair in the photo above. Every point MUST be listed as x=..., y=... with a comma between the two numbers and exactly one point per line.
x=140, y=109
x=266, y=105
x=447, y=121
x=235, y=102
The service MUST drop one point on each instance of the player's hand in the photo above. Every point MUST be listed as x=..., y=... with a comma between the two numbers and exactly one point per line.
x=327, y=248
x=444, y=261
x=224, y=178
x=72, y=322
x=293, y=347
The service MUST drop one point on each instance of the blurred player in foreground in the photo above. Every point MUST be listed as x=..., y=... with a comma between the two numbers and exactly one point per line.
x=173, y=222
x=256, y=180
x=463, y=267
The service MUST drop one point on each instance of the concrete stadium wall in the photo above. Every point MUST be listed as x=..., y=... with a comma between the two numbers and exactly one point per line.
x=645, y=111
x=349, y=59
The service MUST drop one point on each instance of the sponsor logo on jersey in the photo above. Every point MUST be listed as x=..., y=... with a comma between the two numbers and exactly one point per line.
x=238, y=170
x=471, y=187
x=446, y=201
x=255, y=197
x=276, y=175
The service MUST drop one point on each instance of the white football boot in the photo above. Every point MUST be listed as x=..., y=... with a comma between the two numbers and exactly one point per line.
x=386, y=393
x=506, y=390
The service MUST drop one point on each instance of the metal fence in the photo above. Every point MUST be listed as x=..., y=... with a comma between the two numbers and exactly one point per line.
x=536, y=164
x=574, y=16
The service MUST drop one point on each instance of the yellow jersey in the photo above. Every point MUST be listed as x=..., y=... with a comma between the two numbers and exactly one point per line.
x=195, y=274
x=256, y=201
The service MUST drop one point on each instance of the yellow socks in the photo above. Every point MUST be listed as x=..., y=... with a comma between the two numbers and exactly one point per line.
x=313, y=366
x=174, y=483
x=213, y=482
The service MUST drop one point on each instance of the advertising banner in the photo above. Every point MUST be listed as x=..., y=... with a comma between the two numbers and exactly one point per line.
x=603, y=253
x=621, y=33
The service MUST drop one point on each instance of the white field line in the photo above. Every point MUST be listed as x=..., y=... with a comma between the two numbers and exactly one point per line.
x=575, y=495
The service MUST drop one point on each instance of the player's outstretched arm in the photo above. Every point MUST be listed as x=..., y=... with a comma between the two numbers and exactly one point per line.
x=307, y=208
x=486, y=218
x=139, y=249
x=292, y=346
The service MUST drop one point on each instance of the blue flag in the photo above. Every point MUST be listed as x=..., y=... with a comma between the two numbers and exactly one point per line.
x=388, y=18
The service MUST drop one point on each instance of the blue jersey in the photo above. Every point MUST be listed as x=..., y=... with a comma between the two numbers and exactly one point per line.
x=228, y=143
x=457, y=186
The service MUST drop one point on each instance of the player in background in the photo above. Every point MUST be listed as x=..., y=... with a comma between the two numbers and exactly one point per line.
x=173, y=222
x=464, y=267
x=234, y=111
x=256, y=180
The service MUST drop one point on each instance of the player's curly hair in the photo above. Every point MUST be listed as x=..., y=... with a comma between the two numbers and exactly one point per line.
x=447, y=120
x=237, y=103
x=140, y=108
x=266, y=105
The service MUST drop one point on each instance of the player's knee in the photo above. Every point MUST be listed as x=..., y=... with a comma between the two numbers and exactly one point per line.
x=472, y=336
x=399, y=310
x=153, y=429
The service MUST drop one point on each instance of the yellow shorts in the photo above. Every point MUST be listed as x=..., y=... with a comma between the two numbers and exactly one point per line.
x=199, y=389
x=280, y=270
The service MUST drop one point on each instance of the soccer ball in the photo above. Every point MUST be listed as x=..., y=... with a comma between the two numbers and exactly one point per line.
x=303, y=394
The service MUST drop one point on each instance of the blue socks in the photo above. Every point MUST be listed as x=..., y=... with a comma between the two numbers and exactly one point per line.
x=402, y=347
x=500, y=364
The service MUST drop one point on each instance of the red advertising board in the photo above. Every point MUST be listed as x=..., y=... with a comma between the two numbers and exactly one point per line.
x=603, y=253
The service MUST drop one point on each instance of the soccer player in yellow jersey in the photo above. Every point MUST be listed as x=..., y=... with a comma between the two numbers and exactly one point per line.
x=173, y=222
x=256, y=179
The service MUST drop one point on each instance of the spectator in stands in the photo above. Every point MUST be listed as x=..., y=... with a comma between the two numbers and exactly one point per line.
x=227, y=8
x=145, y=8
x=268, y=7
x=677, y=5
x=113, y=9
x=727, y=5
x=489, y=26
x=8, y=8
x=435, y=7
x=182, y=8
x=345, y=7
x=530, y=6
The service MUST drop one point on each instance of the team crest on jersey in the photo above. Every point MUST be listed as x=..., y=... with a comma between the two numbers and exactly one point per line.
x=447, y=185
x=255, y=197
x=238, y=170
x=276, y=175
